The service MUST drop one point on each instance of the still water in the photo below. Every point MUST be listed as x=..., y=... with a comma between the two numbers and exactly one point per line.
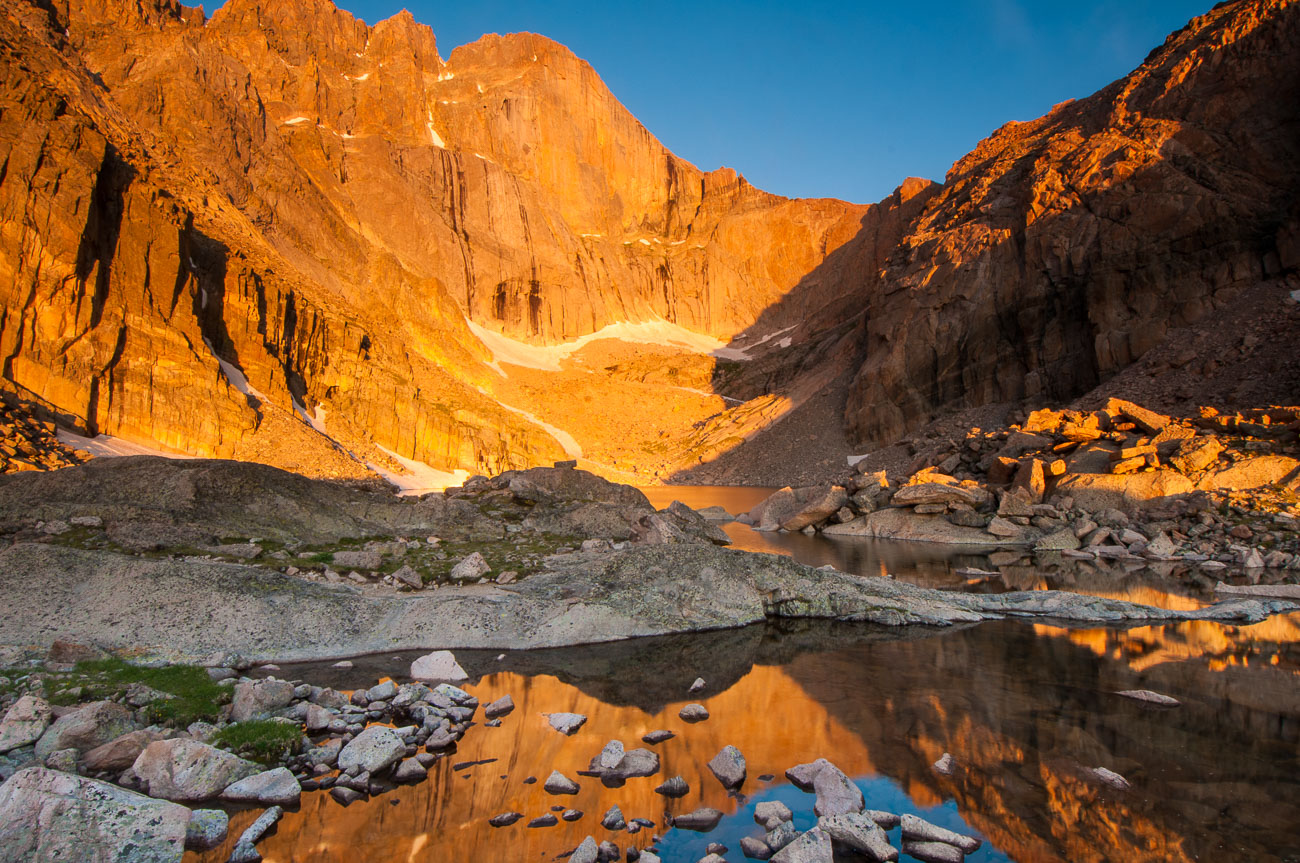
x=1025, y=710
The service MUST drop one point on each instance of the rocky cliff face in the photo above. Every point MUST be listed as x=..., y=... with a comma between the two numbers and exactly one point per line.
x=1062, y=249
x=282, y=234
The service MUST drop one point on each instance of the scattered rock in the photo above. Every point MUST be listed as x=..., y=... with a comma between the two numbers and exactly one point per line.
x=272, y=787
x=207, y=829
x=611, y=755
x=693, y=713
x=861, y=834
x=654, y=737
x=505, y=819
x=566, y=723
x=586, y=852
x=729, y=767
x=675, y=787
x=374, y=750
x=702, y=820
x=1150, y=697
x=85, y=728
x=503, y=706
x=944, y=765
x=770, y=813
x=558, y=783
x=24, y=722
x=186, y=770
x=613, y=819
x=1111, y=778
x=836, y=793
x=920, y=830
x=257, y=699
x=471, y=567
x=439, y=665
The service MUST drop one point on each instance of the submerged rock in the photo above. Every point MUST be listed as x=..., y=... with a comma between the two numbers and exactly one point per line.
x=701, y=820
x=920, y=830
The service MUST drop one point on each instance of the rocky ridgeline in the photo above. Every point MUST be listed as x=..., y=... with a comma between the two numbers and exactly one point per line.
x=1120, y=483
x=112, y=763
x=27, y=443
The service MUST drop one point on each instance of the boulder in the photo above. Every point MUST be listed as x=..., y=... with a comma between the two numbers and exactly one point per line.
x=693, y=713
x=701, y=820
x=374, y=750
x=24, y=722
x=439, y=665
x=207, y=829
x=817, y=504
x=812, y=847
x=558, y=783
x=634, y=763
x=370, y=560
x=836, y=793
x=565, y=723
x=919, y=830
x=770, y=813
x=258, y=699
x=471, y=567
x=1149, y=421
x=909, y=526
x=93, y=725
x=503, y=706
x=675, y=787
x=1128, y=493
x=586, y=852
x=269, y=788
x=121, y=752
x=859, y=833
x=939, y=492
x=1256, y=472
x=729, y=767
x=47, y=816
x=612, y=754
x=933, y=852
x=187, y=770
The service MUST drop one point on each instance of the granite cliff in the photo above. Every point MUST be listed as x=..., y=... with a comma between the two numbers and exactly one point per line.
x=283, y=235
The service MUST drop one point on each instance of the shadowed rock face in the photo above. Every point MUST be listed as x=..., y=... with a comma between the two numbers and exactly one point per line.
x=1062, y=249
x=324, y=207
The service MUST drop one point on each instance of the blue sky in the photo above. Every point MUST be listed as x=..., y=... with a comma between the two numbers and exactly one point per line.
x=828, y=99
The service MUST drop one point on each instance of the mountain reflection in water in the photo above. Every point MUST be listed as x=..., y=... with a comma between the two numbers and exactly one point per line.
x=1025, y=712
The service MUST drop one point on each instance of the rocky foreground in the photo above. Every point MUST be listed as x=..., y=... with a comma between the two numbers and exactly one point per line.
x=185, y=558
x=97, y=763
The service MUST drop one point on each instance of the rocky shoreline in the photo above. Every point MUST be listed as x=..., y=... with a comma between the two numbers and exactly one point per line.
x=129, y=777
x=1120, y=483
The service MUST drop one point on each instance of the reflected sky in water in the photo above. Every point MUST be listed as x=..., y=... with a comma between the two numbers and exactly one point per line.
x=1025, y=712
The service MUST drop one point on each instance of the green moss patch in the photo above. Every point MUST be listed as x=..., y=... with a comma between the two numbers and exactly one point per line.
x=265, y=741
x=195, y=696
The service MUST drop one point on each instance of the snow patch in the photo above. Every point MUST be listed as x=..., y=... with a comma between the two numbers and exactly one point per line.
x=107, y=446
x=316, y=420
x=433, y=136
x=365, y=77
x=446, y=76
x=480, y=87
x=548, y=357
x=644, y=242
x=237, y=378
x=297, y=121
x=567, y=441
x=419, y=478
x=484, y=158
x=745, y=352
x=591, y=235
